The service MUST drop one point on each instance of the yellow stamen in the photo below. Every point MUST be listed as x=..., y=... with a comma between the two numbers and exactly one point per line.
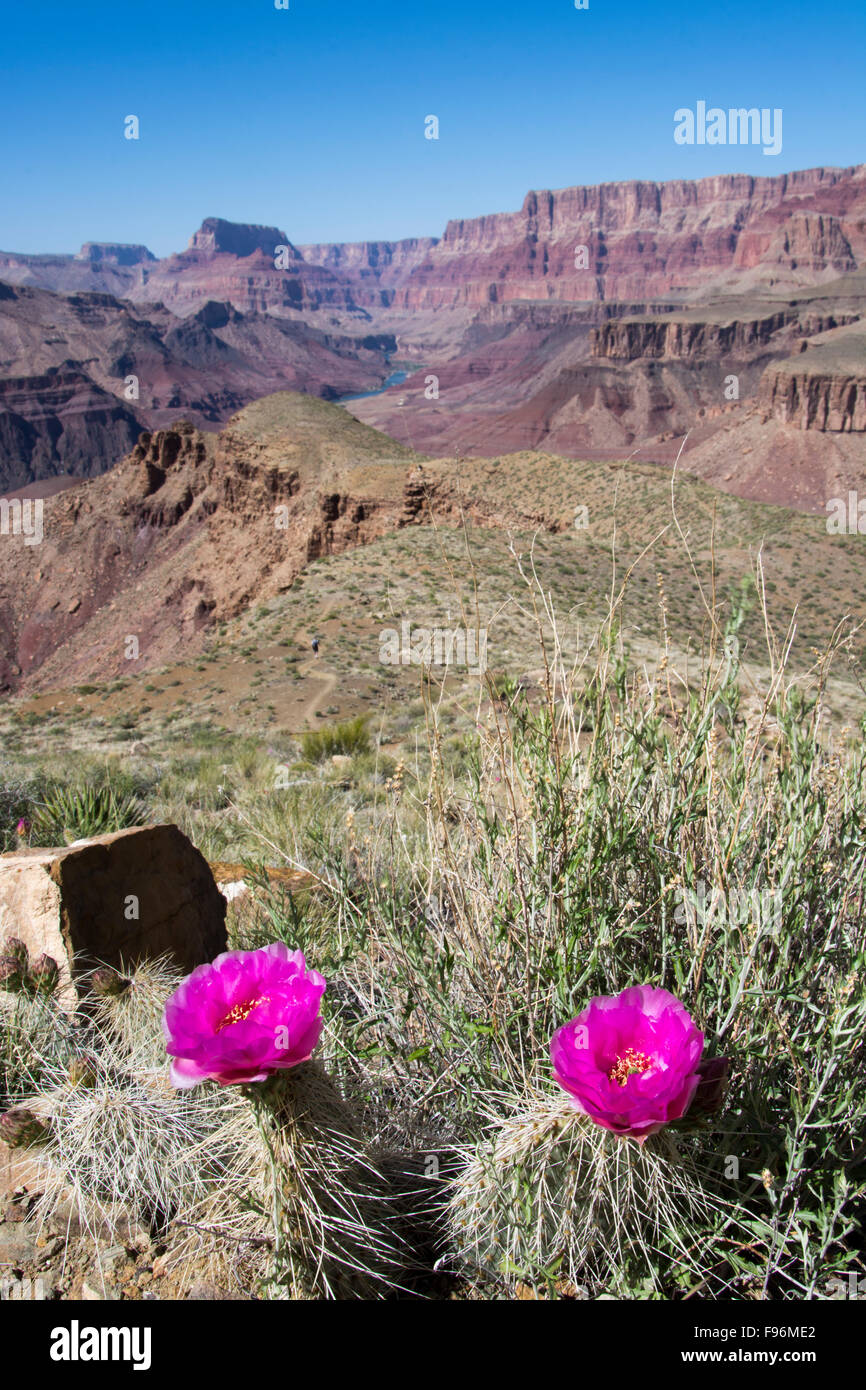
x=626, y=1065
x=240, y=1012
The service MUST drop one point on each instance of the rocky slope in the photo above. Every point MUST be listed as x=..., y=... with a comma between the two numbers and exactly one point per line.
x=696, y=337
x=223, y=261
x=97, y=268
x=82, y=375
x=375, y=270
x=193, y=527
x=61, y=422
x=618, y=380
x=185, y=531
x=235, y=263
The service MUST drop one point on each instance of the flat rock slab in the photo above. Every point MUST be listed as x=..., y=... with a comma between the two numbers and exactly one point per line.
x=234, y=879
x=113, y=900
x=18, y=1168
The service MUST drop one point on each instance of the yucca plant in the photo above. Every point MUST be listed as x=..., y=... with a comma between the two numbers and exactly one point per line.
x=67, y=814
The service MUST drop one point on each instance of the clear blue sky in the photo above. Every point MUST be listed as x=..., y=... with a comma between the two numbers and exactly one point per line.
x=313, y=118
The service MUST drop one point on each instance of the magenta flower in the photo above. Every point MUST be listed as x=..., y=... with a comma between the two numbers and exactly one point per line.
x=243, y=1017
x=630, y=1060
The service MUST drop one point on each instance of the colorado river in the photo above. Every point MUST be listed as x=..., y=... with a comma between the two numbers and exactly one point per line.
x=393, y=380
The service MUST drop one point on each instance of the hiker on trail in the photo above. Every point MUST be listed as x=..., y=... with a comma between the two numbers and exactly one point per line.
x=315, y=646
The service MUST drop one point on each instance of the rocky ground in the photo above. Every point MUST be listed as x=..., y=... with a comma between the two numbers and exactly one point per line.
x=61, y=1258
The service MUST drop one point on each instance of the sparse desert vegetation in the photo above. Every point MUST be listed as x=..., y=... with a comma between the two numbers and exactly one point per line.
x=486, y=857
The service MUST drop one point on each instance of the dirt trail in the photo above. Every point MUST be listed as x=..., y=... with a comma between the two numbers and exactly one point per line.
x=312, y=670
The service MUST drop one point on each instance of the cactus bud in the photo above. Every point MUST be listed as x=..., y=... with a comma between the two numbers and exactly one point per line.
x=20, y=1128
x=11, y=977
x=15, y=949
x=708, y=1097
x=106, y=981
x=44, y=975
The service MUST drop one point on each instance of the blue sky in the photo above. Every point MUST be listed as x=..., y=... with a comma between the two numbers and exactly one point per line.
x=312, y=119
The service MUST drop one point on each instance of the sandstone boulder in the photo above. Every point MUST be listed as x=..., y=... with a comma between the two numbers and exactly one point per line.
x=113, y=899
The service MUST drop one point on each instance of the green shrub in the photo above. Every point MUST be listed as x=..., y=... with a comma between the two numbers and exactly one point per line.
x=350, y=737
x=577, y=865
x=77, y=813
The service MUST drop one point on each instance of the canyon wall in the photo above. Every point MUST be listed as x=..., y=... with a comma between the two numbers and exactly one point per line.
x=542, y=325
x=642, y=240
x=689, y=340
x=818, y=390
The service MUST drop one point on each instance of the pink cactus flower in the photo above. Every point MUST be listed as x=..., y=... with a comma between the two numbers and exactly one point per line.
x=23, y=827
x=630, y=1060
x=243, y=1017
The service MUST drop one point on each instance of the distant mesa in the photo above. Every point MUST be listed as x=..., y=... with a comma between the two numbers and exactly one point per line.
x=114, y=253
x=217, y=236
